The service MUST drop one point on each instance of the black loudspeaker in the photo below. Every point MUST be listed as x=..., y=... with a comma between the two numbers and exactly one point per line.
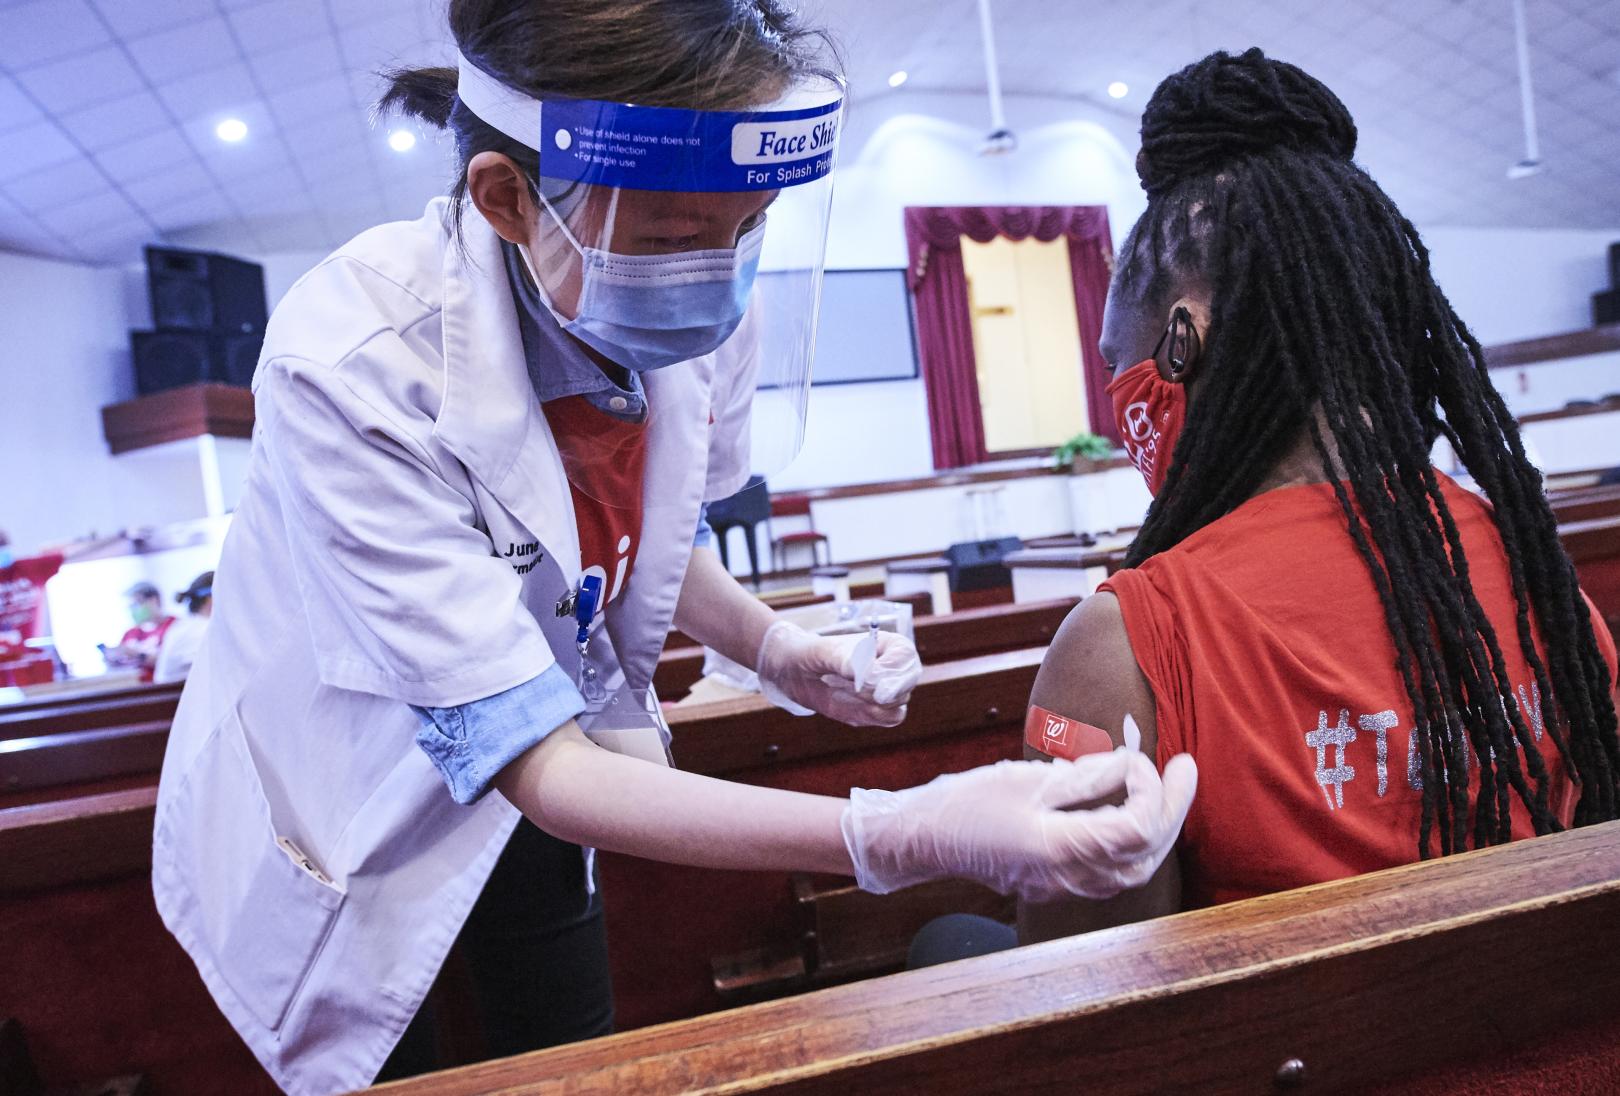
x=236, y=358
x=1606, y=307
x=170, y=359
x=976, y=564
x=201, y=291
x=1614, y=265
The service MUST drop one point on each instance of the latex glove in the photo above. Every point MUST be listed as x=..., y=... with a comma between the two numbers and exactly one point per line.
x=803, y=673
x=1006, y=826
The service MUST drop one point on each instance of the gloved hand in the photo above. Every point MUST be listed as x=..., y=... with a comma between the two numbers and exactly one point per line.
x=1005, y=826
x=803, y=672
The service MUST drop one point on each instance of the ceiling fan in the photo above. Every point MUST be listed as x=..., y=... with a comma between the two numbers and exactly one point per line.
x=1000, y=139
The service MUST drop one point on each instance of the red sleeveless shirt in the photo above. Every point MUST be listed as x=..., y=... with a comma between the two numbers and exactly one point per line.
x=1263, y=639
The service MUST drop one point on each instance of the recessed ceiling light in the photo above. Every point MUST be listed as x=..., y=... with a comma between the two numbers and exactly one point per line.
x=1118, y=89
x=899, y=78
x=231, y=129
x=402, y=140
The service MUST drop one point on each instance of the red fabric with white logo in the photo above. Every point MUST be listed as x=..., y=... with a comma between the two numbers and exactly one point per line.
x=606, y=458
x=22, y=598
x=1150, y=412
x=1263, y=639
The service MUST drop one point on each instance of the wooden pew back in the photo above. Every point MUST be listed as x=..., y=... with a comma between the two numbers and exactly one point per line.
x=963, y=714
x=97, y=983
x=90, y=713
x=1424, y=977
x=105, y=987
x=1594, y=547
x=967, y=634
x=1587, y=503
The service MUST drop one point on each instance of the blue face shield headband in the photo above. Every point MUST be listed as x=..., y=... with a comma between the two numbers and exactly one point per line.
x=652, y=245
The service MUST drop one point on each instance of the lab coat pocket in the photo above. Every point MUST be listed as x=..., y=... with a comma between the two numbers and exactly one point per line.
x=263, y=908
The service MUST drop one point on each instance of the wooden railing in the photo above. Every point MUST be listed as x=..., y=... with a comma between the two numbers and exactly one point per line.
x=1440, y=972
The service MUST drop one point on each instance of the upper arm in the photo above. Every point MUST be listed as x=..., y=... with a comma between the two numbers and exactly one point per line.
x=1090, y=674
x=403, y=592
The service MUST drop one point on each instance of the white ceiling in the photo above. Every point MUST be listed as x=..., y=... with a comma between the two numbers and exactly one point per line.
x=107, y=107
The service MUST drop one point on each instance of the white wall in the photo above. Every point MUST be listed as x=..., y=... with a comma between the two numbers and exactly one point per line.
x=1516, y=283
x=922, y=149
x=64, y=353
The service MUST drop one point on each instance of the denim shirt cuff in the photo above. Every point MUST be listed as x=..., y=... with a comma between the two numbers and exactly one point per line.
x=471, y=743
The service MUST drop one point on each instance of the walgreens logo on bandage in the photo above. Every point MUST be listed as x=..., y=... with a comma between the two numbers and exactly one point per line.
x=785, y=151
x=1059, y=736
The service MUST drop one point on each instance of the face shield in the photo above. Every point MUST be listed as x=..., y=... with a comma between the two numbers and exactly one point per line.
x=653, y=222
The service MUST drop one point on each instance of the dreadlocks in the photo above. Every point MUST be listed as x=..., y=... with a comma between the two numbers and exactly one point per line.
x=1326, y=323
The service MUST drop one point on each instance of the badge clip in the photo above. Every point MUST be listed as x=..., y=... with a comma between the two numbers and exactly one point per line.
x=585, y=605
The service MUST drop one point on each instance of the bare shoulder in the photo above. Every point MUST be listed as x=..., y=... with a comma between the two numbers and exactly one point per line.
x=1090, y=673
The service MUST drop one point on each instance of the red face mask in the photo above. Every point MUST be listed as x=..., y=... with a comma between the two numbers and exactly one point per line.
x=1149, y=411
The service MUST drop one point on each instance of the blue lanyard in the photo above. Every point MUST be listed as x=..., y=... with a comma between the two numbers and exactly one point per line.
x=590, y=593
x=585, y=603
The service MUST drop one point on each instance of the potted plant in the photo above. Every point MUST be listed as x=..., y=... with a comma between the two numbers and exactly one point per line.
x=1082, y=452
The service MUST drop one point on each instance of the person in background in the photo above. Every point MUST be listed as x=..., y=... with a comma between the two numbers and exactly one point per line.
x=22, y=612
x=140, y=645
x=184, y=640
x=22, y=593
x=1369, y=664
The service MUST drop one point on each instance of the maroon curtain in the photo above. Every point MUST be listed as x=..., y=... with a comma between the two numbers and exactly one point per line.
x=945, y=328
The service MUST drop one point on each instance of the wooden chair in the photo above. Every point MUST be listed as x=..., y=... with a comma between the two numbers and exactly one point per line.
x=792, y=506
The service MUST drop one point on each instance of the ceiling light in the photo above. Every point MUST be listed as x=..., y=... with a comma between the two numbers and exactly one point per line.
x=1524, y=169
x=1118, y=90
x=231, y=129
x=402, y=140
x=899, y=78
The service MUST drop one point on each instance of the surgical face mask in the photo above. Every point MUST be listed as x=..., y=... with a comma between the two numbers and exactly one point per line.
x=646, y=312
x=7, y=557
x=141, y=613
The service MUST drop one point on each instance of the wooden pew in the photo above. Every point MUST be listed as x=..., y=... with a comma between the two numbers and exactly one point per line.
x=106, y=989
x=1586, y=504
x=58, y=693
x=88, y=714
x=79, y=757
x=967, y=634
x=963, y=714
x=1432, y=978
x=1594, y=547
x=88, y=970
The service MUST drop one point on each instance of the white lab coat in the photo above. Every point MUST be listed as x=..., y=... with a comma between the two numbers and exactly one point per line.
x=399, y=453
